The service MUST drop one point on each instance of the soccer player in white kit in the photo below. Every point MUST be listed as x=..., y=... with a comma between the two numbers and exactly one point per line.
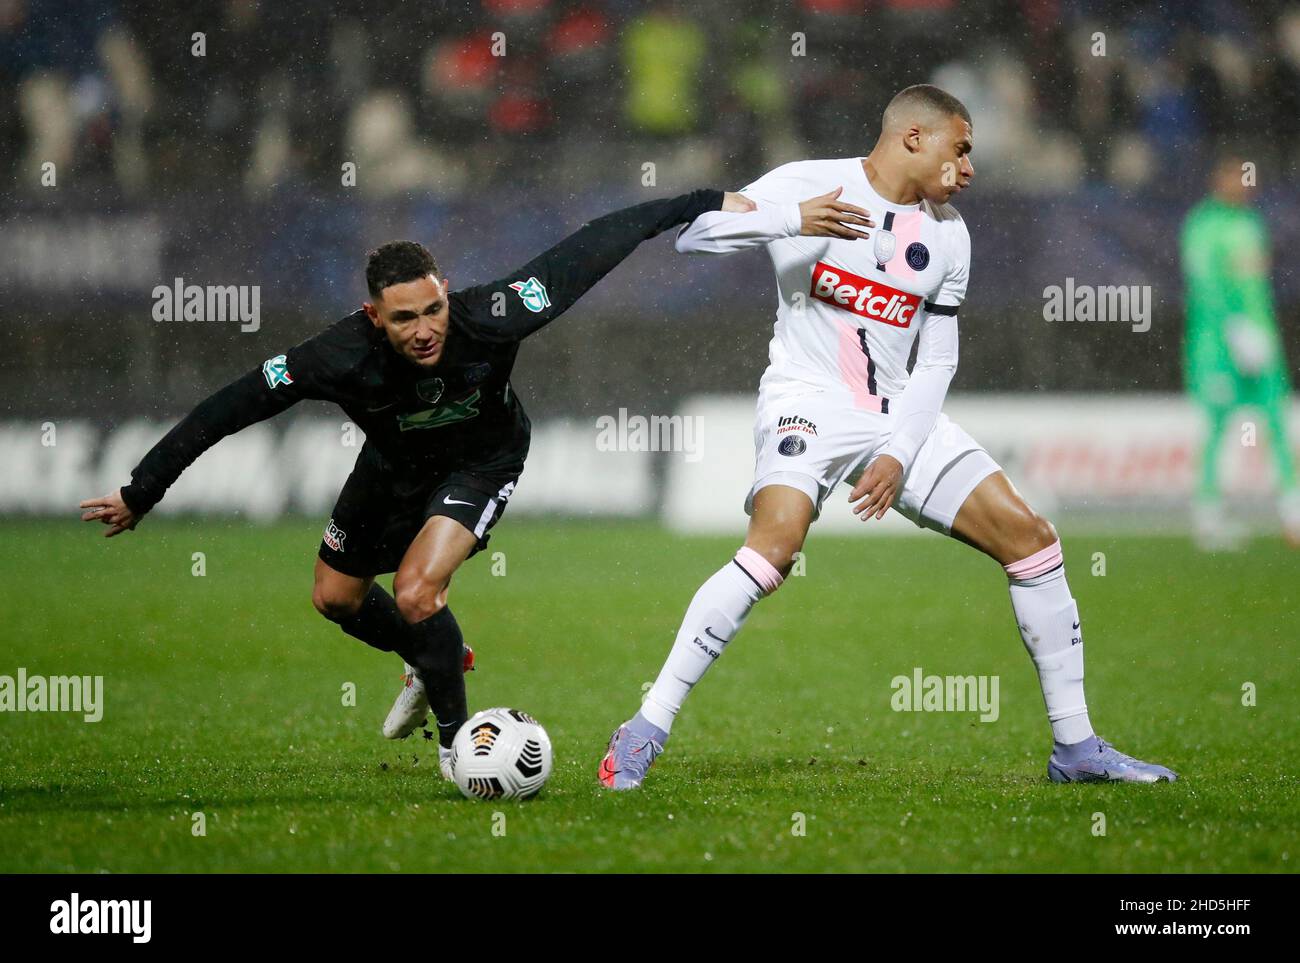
x=876, y=260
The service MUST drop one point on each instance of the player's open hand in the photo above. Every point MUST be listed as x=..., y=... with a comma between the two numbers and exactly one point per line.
x=112, y=511
x=828, y=216
x=877, y=487
x=733, y=203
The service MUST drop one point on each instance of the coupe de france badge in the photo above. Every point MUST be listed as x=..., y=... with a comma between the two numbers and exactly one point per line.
x=276, y=371
x=533, y=293
x=885, y=246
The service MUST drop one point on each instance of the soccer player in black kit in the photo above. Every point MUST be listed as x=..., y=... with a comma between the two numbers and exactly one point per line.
x=425, y=373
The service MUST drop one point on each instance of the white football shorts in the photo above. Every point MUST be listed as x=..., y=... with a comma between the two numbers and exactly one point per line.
x=814, y=441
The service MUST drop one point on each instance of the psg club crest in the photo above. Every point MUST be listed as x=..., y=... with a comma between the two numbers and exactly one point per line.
x=792, y=445
x=918, y=256
x=430, y=390
x=476, y=373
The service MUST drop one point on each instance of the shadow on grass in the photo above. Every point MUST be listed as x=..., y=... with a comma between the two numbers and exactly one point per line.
x=388, y=788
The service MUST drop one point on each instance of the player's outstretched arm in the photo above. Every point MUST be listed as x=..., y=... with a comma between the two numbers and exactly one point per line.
x=258, y=395
x=726, y=232
x=548, y=285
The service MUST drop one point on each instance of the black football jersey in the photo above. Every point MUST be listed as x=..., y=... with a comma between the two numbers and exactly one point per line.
x=459, y=415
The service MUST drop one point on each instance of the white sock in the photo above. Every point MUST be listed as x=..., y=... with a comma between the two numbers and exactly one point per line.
x=713, y=618
x=1049, y=625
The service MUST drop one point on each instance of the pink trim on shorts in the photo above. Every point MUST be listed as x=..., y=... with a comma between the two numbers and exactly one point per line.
x=759, y=569
x=1041, y=561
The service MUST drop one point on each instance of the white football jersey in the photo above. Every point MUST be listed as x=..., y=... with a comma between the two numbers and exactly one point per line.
x=848, y=312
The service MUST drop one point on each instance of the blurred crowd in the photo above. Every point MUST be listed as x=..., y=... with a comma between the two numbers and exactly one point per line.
x=448, y=97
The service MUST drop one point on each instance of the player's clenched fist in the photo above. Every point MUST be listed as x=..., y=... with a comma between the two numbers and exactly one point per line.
x=827, y=216
x=877, y=487
x=112, y=511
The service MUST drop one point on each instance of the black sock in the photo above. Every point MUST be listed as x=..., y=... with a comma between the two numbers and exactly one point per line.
x=437, y=652
x=378, y=623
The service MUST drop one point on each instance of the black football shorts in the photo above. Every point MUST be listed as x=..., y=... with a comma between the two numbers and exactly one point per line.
x=379, y=513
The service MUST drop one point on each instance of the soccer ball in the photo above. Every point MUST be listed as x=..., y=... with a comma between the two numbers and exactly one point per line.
x=501, y=754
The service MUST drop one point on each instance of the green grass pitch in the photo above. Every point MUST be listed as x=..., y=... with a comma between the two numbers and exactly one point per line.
x=224, y=695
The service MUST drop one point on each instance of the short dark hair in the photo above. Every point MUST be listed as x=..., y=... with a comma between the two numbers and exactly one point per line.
x=925, y=96
x=396, y=263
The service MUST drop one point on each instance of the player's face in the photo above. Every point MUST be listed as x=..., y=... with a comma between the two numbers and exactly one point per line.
x=944, y=160
x=415, y=316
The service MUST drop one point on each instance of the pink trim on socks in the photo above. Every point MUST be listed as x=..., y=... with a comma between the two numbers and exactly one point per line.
x=759, y=569
x=1041, y=561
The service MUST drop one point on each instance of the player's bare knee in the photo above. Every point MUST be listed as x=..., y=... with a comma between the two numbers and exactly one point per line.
x=1040, y=532
x=1032, y=534
x=335, y=605
x=785, y=564
x=767, y=568
x=778, y=554
x=780, y=559
x=419, y=599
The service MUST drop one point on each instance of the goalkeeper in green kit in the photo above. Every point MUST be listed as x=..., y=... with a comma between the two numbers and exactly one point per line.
x=1233, y=352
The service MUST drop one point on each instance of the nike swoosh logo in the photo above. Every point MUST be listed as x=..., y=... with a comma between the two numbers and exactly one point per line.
x=1075, y=626
x=381, y=407
x=448, y=500
x=708, y=630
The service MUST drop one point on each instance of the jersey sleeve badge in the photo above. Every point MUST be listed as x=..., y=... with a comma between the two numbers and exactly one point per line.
x=276, y=371
x=533, y=293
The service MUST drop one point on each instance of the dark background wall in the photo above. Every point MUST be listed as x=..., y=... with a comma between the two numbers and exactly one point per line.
x=230, y=168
